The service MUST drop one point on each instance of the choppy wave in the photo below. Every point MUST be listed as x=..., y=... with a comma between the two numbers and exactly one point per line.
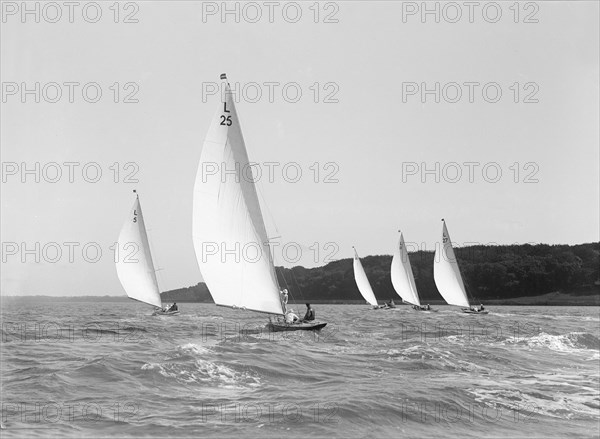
x=192, y=364
x=217, y=372
x=571, y=343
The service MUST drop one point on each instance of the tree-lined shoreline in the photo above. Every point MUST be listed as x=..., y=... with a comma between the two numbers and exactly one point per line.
x=523, y=274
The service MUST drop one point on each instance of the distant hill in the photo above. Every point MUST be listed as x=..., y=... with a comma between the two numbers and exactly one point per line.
x=497, y=273
x=196, y=293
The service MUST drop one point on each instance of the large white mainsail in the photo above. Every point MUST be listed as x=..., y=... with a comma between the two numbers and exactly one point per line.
x=402, y=275
x=134, y=262
x=230, y=238
x=362, y=282
x=446, y=273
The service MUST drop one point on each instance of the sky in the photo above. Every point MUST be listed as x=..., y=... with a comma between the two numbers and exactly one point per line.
x=505, y=147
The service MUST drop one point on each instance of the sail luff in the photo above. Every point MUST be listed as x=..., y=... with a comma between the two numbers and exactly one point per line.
x=135, y=267
x=446, y=272
x=229, y=233
x=362, y=281
x=402, y=276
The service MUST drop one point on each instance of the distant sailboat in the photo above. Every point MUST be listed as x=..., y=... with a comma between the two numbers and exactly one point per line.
x=403, y=279
x=227, y=216
x=135, y=268
x=446, y=275
x=363, y=282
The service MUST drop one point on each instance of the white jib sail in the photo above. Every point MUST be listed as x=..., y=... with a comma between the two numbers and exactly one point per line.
x=228, y=229
x=362, y=282
x=134, y=262
x=446, y=273
x=402, y=275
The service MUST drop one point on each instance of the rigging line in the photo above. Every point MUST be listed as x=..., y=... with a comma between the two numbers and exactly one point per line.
x=468, y=289
x=159, y=278
x=297, y=283
x=470, y=296
x=260, y=191
x=284, y=279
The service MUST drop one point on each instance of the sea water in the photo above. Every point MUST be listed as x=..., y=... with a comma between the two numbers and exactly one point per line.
x=110, y=369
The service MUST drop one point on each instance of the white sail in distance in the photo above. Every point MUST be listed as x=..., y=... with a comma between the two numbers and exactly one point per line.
x=446, y=273
x=229, y=234
x=402, y=275
x=362, y=281
x=135, y=268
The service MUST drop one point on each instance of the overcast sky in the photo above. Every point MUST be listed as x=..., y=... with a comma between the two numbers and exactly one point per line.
x=369, y=133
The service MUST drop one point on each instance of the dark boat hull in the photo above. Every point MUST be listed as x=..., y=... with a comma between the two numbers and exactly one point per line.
x=470, y=311
x=280, y=327
x=168, y=313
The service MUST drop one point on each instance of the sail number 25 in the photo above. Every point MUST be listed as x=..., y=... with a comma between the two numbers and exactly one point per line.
x=226, y=120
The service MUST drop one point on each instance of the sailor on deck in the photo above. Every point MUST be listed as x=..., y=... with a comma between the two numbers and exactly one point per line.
x=310, y=314
x=291, y=317
x=284, y=298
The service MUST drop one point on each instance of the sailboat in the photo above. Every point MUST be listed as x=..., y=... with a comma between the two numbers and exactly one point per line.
x=135, y=268
x=363, y=283
x=403, y=279
x=227, y=216
x=446, y=275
